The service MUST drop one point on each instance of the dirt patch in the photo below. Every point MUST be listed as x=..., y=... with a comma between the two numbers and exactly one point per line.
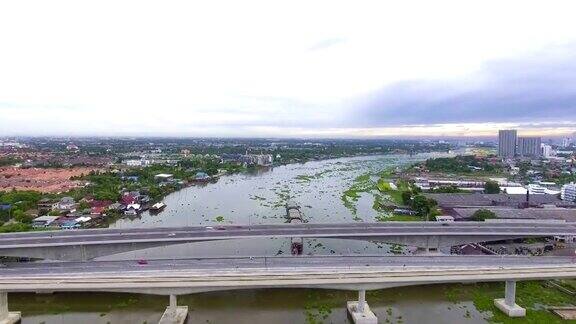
x=42, y=180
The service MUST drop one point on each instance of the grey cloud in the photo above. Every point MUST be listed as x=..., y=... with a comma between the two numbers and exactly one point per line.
x=538, y=88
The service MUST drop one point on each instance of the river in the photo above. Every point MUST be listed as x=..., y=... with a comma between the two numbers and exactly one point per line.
x=259, y=198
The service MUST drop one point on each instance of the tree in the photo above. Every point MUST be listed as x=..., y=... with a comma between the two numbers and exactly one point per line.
x=15, y=227
x=406, y=197
x=211, y=169
x=19, y=216
x=491, y=187
x=423, y=206
x=483, y=214
x=107, y=194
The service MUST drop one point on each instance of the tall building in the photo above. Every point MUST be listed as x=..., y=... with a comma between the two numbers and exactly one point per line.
x=529, y=146
x=547, y=151
x=507, y=143
x=566, y=141
x=568, y=192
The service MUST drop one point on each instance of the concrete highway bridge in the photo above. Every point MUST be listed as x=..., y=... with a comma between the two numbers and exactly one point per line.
x=83, y=245
x=359, y=273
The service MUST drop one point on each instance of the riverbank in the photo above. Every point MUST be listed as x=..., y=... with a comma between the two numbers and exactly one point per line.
x=394, y=197
x=104, y=197
x=455, y=303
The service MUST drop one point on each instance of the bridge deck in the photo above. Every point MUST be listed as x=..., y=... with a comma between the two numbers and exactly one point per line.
x=278, y=263
x=341, y=272
x=354, y=230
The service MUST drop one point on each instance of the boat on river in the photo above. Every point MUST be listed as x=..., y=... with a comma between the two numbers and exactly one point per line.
x=157, y=207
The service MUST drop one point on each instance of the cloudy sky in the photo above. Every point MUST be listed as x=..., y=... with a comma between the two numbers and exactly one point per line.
x=287, y=68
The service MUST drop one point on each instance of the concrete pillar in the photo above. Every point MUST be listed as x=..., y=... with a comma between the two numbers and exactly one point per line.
x=3, y=305
x=174, y=314
x=361, y=301
x=422, y=251
x=7, y=317
x=173, y=302
x=360, y=311
x=510, y=297
x=508, y=304
x=427, y=251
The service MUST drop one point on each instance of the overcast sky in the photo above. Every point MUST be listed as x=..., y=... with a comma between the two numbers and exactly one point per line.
x=287, y=68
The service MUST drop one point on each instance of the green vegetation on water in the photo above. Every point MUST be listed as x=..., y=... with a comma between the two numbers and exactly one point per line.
x=532, y=295
x=389, y=194
x=322, y=306
x=361, y=184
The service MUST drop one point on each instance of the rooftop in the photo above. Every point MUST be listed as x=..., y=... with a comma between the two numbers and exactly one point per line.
x=46, y=218
x=452, y=200
x=567, y=214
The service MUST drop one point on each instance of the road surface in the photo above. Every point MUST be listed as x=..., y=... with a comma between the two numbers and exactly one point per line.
x=334, y=272
x=352, y=230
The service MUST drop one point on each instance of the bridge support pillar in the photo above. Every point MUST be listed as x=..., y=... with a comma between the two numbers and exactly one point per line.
x=427, y=251
x=508, y=304
x=360, y=311
x=174, y=314
x=7, y=317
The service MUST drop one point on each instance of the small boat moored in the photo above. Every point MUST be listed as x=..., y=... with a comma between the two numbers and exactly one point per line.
x=158, y=206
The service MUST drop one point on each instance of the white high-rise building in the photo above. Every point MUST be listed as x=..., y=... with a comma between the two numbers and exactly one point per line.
x=529, y=146
x=566, y=142
x=507, y=143
x=548, y=151
x=568, y=192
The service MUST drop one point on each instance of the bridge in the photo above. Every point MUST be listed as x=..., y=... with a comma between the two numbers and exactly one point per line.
x=83, y=245
x=358, y=273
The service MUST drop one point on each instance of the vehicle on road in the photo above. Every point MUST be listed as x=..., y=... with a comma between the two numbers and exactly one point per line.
x=142, y=262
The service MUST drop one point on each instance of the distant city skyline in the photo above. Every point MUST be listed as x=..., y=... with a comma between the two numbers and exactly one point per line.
x=326, y=69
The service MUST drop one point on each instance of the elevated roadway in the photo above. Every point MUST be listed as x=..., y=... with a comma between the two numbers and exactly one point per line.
x=361, y=273
x=186, y=276
x=89, y=244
